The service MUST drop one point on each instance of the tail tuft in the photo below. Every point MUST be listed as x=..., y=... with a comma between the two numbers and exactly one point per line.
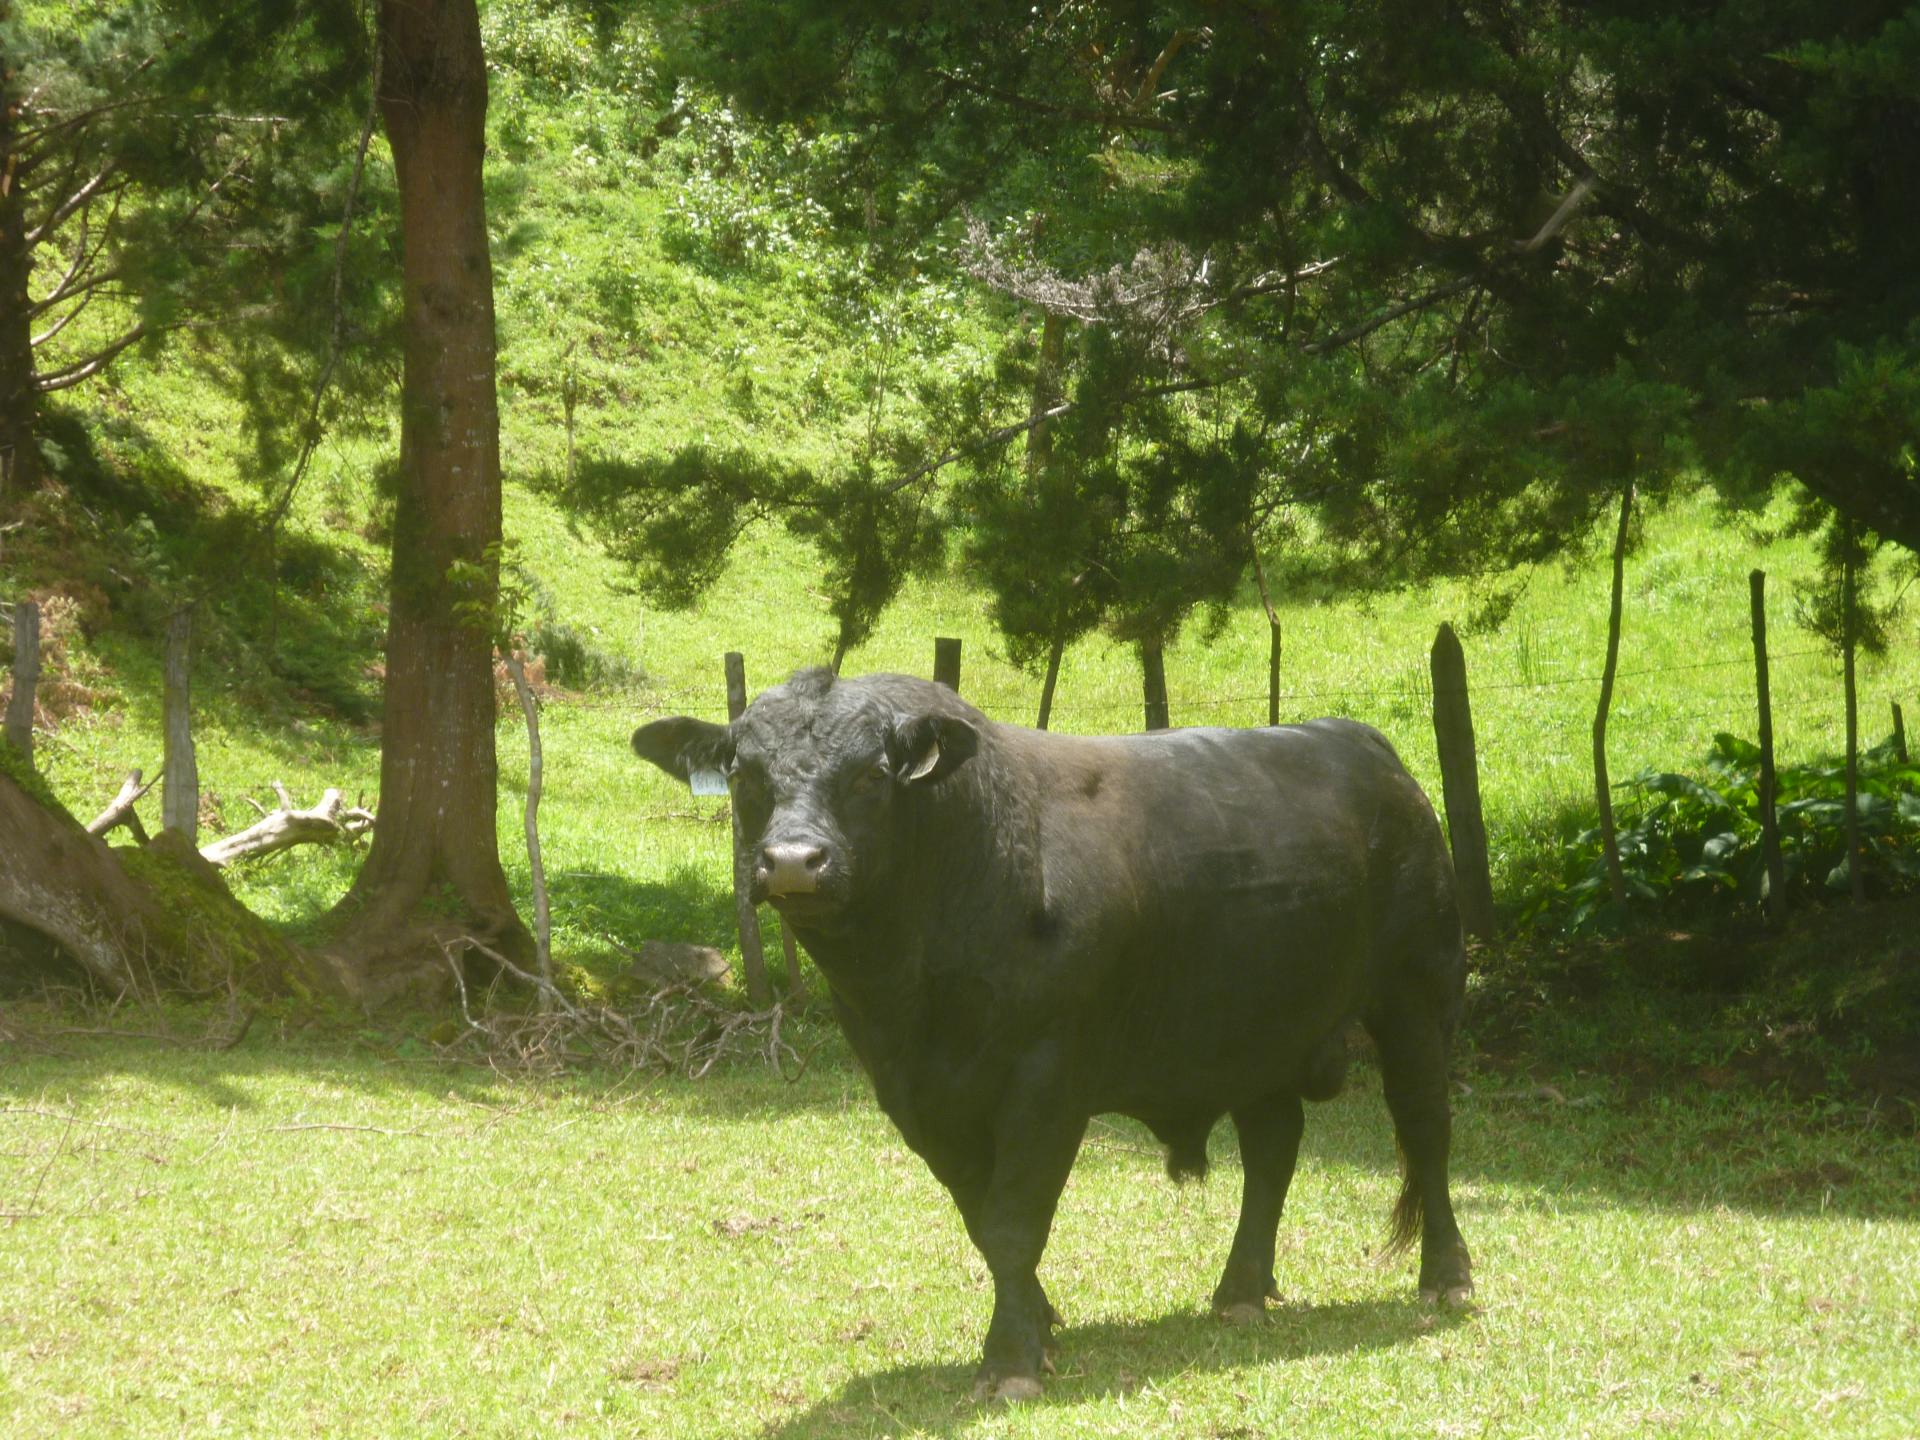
x=1403, y=1228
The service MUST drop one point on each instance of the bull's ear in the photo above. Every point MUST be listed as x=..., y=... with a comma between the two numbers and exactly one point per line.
x=681, y=746
x=931, y=747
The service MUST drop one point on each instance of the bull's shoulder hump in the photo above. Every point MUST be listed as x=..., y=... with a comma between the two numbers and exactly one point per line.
x=910, y=693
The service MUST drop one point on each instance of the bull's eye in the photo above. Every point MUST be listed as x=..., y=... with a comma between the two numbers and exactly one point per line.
x=875, y=776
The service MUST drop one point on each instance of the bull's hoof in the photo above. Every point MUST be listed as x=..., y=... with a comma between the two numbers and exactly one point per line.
x=1007, y=1390
x=1241, y=1313
x=1453, y=1297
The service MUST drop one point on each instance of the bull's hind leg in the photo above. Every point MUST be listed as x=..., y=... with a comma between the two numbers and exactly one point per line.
x=1269, y=1146
x=1413, y=1061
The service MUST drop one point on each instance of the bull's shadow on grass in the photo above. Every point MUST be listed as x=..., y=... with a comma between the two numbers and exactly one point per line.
x=1102, y=1360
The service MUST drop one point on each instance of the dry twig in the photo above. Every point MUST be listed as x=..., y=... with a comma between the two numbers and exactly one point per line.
x=676, y=1029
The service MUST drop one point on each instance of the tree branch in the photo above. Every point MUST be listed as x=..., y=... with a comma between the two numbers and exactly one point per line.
x=336, y=337
x=1105, y=119
x=1040, y=417
x=1390, y=314
x=86, y=369
x=63, y=211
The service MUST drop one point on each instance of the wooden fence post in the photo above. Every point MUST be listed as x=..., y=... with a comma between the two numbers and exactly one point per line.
x=752, y=960
x=26, y=675
x=1273, y=674
x=1899, y=734
x=1153, y=685
x=1849, y=643
x=1273, y=644
x=946, y=662
x=1460, y=783
x=1769, y=818
x=180, y=789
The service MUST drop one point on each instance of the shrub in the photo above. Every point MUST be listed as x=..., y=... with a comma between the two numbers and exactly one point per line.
x=1692, y=846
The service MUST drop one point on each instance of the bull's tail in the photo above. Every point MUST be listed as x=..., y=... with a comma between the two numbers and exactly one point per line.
x=1403, y=1228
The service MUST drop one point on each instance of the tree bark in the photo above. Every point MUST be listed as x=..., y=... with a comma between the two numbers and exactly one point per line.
x=436, y=833
x=26, y=678
x=62, y=883
x=19, y=404
x=327, y=823
x=180, y=795
x=1046, y=394
x=1769, y=783
x=1048, y=685
x=537, y=870
x=1602, y=787
x=120, y=809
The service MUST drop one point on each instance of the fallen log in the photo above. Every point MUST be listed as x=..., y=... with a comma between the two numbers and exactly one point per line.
x=59, y=881
x=329, y=822
x=120, y=809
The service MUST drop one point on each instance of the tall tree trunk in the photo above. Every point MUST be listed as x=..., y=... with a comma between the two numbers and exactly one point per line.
x=436, y=834
x=19, y=405
x=1602, y=787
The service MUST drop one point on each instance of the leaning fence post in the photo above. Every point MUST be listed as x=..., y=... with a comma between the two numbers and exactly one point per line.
x=180, y=790
x=26, y=675
x=752, y=960
x=1899, y=734
x=1769, y=819
x=946, y=662
x=1460, y=783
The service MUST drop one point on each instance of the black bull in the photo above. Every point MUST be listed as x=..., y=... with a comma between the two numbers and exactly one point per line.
x=1024, y=930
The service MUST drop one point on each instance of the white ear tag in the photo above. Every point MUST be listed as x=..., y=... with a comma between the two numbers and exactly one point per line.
x=707, y=782
x=925, y=767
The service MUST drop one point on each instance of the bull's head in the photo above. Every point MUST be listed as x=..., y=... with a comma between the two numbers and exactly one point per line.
x=819, y=771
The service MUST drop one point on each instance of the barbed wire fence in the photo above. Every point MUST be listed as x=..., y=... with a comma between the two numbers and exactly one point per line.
x=1533, y=733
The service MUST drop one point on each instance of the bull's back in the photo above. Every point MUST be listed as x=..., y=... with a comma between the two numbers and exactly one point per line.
x=1221, y=893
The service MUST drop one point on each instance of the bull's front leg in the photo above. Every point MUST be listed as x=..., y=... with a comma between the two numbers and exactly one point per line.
x=1036, y=1136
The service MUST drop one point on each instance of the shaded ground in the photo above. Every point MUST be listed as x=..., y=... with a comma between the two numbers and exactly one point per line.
x=1826, y=1009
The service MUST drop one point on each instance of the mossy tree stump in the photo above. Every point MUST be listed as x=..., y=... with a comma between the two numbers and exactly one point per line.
x=157, y=918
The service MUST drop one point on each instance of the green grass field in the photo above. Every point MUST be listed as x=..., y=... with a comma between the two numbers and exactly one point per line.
x=300, y=1238
x=332, y=1230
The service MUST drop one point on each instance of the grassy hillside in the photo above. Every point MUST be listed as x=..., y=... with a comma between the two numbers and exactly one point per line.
x=650, y=264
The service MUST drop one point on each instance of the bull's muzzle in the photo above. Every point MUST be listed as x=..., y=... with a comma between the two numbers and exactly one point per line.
x=789, y=869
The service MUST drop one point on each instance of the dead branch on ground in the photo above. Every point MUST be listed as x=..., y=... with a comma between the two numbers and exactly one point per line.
x=120, y=809
x=329, y=822
x=676, y=1029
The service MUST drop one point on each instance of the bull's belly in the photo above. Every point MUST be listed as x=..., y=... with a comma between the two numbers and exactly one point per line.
x=1224, y=1018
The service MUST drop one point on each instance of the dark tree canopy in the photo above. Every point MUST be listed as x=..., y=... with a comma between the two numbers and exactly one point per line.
x=1474, y=261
